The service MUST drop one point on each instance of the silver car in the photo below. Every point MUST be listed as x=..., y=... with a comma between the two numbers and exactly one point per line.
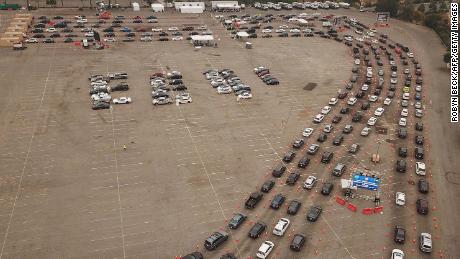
x=161, y=100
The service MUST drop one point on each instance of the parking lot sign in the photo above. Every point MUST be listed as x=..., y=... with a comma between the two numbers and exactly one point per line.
x=366, y=182
x=383, y=17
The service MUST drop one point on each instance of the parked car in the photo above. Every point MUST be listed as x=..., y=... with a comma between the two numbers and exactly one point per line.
x=215, y=240
x=313, y=213
x=257, y=229
x=327, y=188
x=265, y=249
x=236, y=220
x=253, y=200
x=281, y=226
x=293, y=207
x=277, y=201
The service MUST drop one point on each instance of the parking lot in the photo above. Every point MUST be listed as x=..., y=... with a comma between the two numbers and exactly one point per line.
x=138, y=181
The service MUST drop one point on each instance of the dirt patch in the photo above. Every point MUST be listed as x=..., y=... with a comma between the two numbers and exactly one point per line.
x=310, y=86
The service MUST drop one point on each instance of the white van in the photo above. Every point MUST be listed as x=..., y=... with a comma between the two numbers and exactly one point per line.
x=85, y=44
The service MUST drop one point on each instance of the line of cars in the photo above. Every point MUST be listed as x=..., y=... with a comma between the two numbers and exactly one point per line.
x=225, y=81
x=100, y=90
x=314, y=212
x=162, y=84
x=264, y=74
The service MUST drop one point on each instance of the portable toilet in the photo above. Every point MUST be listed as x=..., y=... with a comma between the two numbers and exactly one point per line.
x=136, y=7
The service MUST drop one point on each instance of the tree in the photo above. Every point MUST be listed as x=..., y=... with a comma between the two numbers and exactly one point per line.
x=432, y=19
x=407, y=12
x=418, y=16
x=433, y=7
x=391, y=6
x=421, y=8
x=443, y=6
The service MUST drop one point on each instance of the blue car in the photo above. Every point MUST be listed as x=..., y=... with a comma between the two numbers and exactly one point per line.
x=125, y=29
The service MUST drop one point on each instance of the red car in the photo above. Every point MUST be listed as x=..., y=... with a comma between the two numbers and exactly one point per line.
x=141, y=30
x=157, y=74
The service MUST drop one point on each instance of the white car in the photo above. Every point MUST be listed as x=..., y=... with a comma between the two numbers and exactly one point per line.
x=152, y=21
x=32, y=40
x=177, y=38
x=318, y=118
x=400, y=198
x=359, y=39
x=161, y=100
x=357, y=61
x=82, y=20
x=146, y=39
x=393, y=74
x=406, y=96
x=280, y=30
x=310, y=182
x=371, y=34
x=173, y=29
x=410, y=55
x=365, y=131
x=397, y=254
x=101, y=97
x=157, y=29
x=372, y=121
x=294, y=30
x=426, y=243
x=266, y=31
x=387, y=101
x=418, y=88
x=404, y=112
x=418, y=105
x=418, y=113
x=373, y=98
x=369, y=74
x=381, y=72
x=358, y=32
x=122, y=100
x=265, y=249
x=349, y=38
x=393, y=80
x=110, y=39
x=89, y=34
x=283, y=27
x=307, y=132
x=217, y=81
x=406, y=71
x=245, y=95
x=281, y=226
x=202, y=28
x=420, y=168
x=51, y=29
x=328, y=128
x=326, y=110
x=365, y=87
x=373, y=30
x=224, y=89
x=379, y=111
x=333, y=101
x=402, y=122
x=352, y=101
x=184, y=98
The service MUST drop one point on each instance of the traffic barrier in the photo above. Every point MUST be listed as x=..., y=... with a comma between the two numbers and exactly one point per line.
x=378, y=209
x=368, y=211
x=340, y=200
x=352, y=207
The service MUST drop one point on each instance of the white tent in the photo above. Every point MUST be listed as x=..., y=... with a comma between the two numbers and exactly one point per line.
x=201, y=40
x=191, y=9
x=157, y=8
x=242, y=34
x=227, y=6
x=136, y=7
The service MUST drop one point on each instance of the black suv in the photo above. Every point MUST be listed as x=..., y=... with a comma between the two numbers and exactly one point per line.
x=327, y=157
x=322, y=137
x=402, y=152
x=292, y=178
x=422, y=206
x=400, y=235
x=297, y=242
x=327, y=188
x=215, y=240
x=257, y=229
x=289, y=156
x=253, y=199
x=237, y=220
x=267, y=186
x=338, y=140
x=401, y=165
x=278, y=171
x=298, y=143
x=313, y=213
x=304, y=162
x=293, y=207
x=277, y=201
x=423, y=186
x=402, y=133
x=419, y=154
x=419, y=140
x=419, y=126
